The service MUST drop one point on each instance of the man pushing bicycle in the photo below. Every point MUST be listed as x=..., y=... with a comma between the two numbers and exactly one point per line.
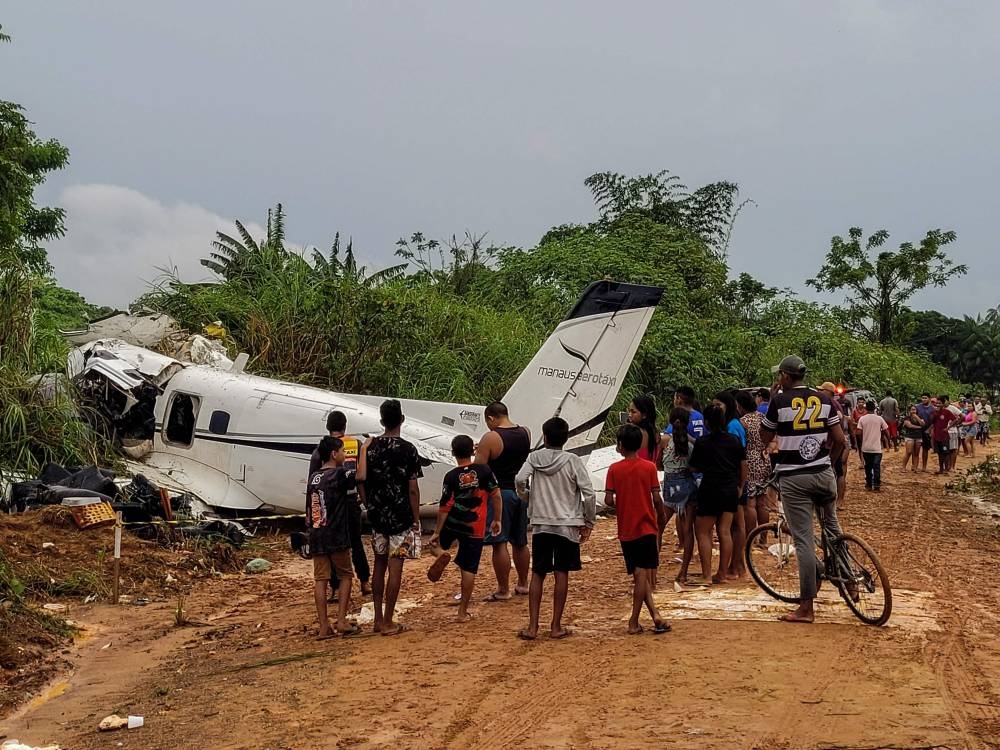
x=810, y=436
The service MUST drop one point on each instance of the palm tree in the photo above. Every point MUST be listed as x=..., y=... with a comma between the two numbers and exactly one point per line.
x=335, y=269
x=246, y=259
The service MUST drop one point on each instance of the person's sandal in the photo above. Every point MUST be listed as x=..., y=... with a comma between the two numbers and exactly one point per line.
x=436, y=570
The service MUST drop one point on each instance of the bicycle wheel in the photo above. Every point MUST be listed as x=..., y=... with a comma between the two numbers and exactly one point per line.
x=774, y=568
x=861, y=580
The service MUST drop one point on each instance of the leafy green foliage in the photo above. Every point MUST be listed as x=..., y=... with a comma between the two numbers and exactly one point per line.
x=878, y=287
x=968, y=347
x=60, y=309
x=709, y=212
x=981, y=479
x=25, y=159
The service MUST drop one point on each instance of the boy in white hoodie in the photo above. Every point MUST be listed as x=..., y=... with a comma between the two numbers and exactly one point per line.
x=562, y=508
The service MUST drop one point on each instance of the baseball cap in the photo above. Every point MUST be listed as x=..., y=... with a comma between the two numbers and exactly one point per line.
x=791, y=365
x=828, y=386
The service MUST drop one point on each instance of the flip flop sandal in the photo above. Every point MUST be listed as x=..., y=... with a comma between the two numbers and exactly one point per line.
x=495, y=597
x=560, y=636
x=662, y=627
x=519, y=592
x=399, y=629
x=640, y=631
x=436, y=570
x=524, y=635
x=354, y=630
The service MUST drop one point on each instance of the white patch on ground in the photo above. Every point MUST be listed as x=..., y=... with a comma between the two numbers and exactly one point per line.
x=911, y=610
x=367, y=614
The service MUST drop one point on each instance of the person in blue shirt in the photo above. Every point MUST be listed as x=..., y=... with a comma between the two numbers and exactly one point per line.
x=684, y=399
x=763, y=399
x=726, y=400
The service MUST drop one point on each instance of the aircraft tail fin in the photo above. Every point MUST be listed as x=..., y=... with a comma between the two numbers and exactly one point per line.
x=578, y=371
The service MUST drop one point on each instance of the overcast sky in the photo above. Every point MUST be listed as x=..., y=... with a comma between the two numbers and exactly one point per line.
x=378, y=119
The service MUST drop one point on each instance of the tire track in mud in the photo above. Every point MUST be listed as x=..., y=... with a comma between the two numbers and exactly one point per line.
x=974, y=710
x=524, y=708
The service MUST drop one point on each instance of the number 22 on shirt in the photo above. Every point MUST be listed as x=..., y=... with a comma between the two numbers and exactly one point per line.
x=807, y=413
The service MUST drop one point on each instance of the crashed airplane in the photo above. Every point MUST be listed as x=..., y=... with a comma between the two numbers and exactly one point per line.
x=241, y=443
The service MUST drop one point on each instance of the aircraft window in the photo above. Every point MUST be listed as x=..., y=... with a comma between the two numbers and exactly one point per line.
x=219, y=423
x=180, y=423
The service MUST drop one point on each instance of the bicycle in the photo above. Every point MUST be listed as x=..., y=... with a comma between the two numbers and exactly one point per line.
x=847, y=561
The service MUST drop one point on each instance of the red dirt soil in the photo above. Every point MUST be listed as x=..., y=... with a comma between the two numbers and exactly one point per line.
x=248, y=672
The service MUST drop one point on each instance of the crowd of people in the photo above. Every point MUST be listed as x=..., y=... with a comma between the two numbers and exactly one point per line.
x=721, y=469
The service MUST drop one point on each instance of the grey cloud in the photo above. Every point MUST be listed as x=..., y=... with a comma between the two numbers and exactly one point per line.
x=118, y=239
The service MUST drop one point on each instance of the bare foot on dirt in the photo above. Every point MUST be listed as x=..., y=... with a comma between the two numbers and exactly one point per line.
x=795, y=617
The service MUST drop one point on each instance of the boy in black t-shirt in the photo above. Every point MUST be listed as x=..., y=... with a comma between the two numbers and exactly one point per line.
x=462, y=518
x=329, y=533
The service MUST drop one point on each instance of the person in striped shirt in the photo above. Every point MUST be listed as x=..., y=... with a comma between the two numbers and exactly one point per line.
x=809, y=434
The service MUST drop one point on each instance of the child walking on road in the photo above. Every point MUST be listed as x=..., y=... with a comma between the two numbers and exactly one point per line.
x=633, y=488
x=562, y=509
x=468, y=489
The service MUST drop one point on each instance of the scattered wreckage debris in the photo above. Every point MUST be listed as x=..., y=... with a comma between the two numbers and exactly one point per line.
x=94, y=496
x=110, y=723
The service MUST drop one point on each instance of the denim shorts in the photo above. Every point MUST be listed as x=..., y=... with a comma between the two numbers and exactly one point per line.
x=678, y=491
x=513, y=522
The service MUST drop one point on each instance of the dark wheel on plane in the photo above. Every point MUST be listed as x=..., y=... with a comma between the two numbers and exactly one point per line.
x=770, y=558
x=861, y=580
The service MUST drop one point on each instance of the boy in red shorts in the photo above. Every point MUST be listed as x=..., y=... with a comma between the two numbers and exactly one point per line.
x=632, y=488
x=462, y=518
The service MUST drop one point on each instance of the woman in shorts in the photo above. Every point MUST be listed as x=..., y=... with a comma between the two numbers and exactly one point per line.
x=721, y=460
x=913, y=435
x=970, y=426
x=679, y=487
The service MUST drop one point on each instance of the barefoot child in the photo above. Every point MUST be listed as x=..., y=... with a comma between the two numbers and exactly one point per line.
x=329, y=533
x=633, y=489
x=462, y=518
x=562, y=509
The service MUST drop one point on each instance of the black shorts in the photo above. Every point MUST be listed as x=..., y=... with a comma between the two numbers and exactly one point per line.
x=715, y=504
x=838, y=467
x=554, y=552
x=925, y=441
x=641, y=553
x=470, y=551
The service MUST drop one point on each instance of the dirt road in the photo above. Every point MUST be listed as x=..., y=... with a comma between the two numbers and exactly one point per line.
x=249, y=674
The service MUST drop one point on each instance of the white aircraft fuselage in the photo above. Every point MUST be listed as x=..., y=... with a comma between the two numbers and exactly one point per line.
x=241, y=442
